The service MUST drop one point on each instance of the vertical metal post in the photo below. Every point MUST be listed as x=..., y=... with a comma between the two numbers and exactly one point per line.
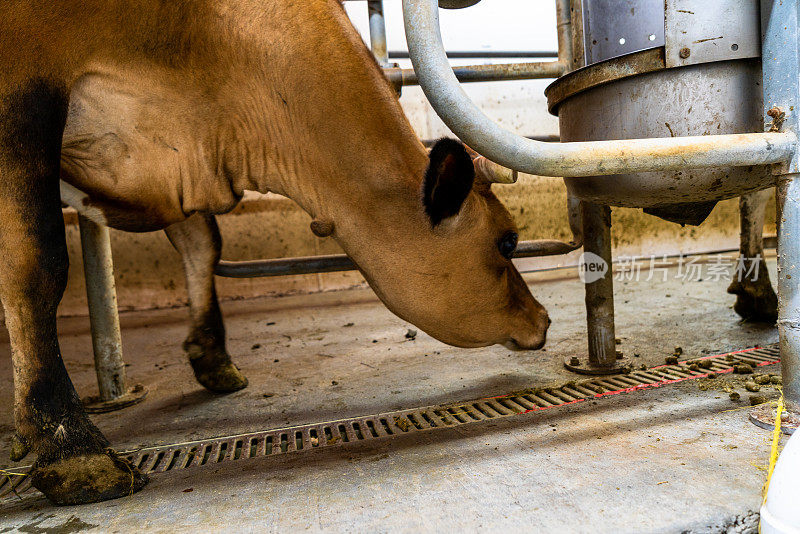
x=600, y=293
x=564, y=29
x=594, y=222
x=781, y=78
x=599, y=280
x=102, y=297
x=106, y=338
x=788, y=294
x=377, y=32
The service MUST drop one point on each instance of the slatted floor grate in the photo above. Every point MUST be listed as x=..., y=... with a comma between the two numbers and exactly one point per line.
x=356, y=429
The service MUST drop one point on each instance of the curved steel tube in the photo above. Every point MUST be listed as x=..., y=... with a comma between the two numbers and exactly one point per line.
x=421, y=18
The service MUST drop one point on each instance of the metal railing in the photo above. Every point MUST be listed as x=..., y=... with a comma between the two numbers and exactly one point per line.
x=341, y=262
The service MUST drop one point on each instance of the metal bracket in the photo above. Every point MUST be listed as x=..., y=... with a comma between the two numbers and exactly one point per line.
x=699, y=31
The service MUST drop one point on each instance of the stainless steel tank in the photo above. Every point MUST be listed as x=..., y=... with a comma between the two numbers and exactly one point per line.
x=697, y=74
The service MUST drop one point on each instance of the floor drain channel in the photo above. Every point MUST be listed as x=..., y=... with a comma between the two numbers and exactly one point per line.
x=336, y=433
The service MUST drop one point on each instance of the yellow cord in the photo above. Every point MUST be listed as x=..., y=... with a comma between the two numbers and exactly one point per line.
x=776, y=438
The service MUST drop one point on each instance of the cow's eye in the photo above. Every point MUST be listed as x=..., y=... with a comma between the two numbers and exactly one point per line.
x=508, y=244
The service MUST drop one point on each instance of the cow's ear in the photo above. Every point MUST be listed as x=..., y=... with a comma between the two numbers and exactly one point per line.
x=448, y=180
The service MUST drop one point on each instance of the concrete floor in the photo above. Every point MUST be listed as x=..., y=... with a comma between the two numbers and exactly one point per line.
x=667, y=460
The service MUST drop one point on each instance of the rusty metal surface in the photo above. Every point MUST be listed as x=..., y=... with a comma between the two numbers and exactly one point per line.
x=699, y=100
x=699, y=31
x=576, y=21
x=781, y=105
x=788, y=200
x=599, y=296
x=614, y=69
x=282, y=266
x=134, y=395
x=564, y=33
x=101, y=294
x=377, y=32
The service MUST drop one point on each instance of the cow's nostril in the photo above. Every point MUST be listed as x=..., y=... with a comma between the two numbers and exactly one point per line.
x=549, y=321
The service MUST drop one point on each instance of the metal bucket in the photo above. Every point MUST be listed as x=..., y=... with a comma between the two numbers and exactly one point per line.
x=609, y=101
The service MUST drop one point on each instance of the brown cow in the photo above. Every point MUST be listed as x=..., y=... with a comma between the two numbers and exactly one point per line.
x=160, y=113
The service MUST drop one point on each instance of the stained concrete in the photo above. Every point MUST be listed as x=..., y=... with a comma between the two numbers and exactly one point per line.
x=666, y=460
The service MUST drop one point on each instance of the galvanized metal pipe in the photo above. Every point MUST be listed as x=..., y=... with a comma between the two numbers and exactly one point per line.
x=377, y=32
x=564, y=29
x=486, y=73
x=463, y=117
x=781, y=65
x=341, y=262
x=599, y=293
x=101, y=293
x=788, y=198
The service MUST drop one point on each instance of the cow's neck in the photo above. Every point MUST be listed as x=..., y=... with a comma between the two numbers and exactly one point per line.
x=318, y=122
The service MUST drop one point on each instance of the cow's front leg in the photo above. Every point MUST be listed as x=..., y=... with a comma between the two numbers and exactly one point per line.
x=74, y=463
x=199, y=243
x=755, y=298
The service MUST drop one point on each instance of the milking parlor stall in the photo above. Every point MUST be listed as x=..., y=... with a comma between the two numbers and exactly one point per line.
x=464, y=265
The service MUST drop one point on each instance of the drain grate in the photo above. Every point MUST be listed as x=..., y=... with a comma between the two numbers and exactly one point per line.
x=356, y=429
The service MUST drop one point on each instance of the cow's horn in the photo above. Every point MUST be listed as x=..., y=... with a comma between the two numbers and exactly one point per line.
x=321, y=228
x=490, y=172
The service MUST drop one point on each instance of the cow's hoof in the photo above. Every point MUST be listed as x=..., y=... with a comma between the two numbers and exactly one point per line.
x=755, y=301
x=224, y=379
x=87, y=478
x=19, y=448
x=214, y=369
x=218, y=375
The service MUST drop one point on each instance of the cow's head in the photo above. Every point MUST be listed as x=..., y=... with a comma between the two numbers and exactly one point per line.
x=441, y=259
